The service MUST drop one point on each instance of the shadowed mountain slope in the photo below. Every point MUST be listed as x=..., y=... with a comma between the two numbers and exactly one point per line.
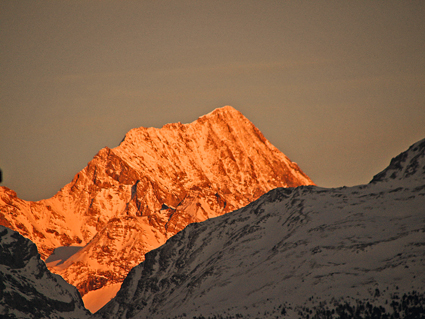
x=295, y=253
x=27, y=288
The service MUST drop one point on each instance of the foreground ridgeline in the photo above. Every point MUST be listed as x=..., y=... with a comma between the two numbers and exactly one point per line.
x=27, y=288
x=305, y=252
x=132, y=198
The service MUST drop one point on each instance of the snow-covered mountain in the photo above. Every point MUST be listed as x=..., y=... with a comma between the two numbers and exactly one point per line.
x=305, y=252
x=132, y=198
x=27, y=288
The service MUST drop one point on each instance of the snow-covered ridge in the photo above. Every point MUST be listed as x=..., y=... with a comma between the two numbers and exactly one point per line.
x=294, y=253
x=408, y=166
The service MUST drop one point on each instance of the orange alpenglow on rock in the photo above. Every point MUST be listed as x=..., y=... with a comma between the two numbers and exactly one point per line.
x=132, y=198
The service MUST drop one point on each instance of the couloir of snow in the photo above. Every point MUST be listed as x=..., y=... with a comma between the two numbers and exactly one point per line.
x=96, y=299
x=291, y=251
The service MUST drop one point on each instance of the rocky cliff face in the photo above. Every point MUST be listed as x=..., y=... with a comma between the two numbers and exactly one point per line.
x=305, y=252
x=27, y=288
x=132, y=198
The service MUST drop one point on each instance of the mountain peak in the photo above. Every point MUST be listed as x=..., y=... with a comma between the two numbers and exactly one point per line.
x=227, y=109
x=132, y=198
x=407, y=166
x=226, y=114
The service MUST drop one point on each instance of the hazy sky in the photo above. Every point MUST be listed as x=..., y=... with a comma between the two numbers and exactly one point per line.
x=337, y=86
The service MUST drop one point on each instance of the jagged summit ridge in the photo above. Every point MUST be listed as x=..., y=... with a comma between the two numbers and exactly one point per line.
x=227, y=112
x=222, y=120
x=130, y=199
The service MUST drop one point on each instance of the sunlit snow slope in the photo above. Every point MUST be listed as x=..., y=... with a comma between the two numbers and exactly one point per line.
x=295, y=253
x=132, y=198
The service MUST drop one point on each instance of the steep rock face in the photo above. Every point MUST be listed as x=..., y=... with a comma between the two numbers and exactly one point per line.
x=27, y=288
x=294, y=253
x=132, y=198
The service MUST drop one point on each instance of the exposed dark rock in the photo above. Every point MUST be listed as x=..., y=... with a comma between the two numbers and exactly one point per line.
x=27, y=288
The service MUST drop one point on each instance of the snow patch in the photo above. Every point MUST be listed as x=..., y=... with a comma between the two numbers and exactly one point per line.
x=96, y=299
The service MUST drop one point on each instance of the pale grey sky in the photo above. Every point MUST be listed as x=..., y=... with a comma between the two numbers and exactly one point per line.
x=338, y=86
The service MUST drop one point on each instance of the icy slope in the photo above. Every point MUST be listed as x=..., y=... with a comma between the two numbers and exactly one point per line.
x=27, y=288
x=132, y=198
x=294, y=253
